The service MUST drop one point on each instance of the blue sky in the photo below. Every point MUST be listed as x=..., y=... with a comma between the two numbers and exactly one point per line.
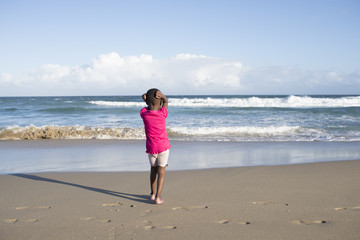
x=182, y=47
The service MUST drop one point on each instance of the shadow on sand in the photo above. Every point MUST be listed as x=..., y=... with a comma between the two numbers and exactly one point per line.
x=132, y=197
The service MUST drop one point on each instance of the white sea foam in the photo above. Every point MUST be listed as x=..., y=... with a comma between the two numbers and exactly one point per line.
x=195, y=133
x=250, y=102
x=118, y=104
x=235, y=131
x=275, y=102
x=69, y=132
x=252, y=133
x=241, y=133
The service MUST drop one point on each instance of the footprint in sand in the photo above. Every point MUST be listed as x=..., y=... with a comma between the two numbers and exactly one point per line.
x=114, y=231
x=15, y=220
x=31, y=220
x=11, y=220
x=301, y=222
x=94, y=218
x=270, y=203
x=190, y=208
x=357, y=208
x=146, y=213
x=162, y=227
x=116, y=204
x=150, y=226
x=225, y=221
x=113, y=204
x=26, y=207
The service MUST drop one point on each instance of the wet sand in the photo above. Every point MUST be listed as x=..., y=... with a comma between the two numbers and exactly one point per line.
x=120, y=155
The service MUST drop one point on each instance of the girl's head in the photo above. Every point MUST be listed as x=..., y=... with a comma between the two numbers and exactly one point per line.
x=151, y=97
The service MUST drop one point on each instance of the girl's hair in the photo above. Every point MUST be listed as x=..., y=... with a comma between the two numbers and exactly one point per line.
x=151, y=96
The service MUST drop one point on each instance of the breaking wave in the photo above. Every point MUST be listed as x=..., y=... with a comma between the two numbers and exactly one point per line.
x=241, y=133
x=250, y=102
x=273, y=102
x=118, y=104
x=72, y=132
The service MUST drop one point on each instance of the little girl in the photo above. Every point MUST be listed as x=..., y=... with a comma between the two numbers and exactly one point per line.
x=157, y=141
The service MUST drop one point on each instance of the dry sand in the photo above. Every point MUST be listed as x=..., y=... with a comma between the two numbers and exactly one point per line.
x=308, y=201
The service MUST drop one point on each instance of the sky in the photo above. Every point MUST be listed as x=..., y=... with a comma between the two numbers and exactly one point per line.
x=124, y=47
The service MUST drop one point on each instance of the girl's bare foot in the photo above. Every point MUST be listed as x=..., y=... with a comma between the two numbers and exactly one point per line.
x=159, y=201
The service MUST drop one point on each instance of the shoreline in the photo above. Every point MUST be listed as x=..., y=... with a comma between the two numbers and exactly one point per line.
x=300, y=201
x=129, y=155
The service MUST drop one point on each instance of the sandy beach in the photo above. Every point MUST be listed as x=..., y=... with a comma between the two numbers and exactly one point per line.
x=306, y=201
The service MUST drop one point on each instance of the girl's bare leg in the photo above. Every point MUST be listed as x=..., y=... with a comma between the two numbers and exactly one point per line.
x=160, y=183
x=153, y=176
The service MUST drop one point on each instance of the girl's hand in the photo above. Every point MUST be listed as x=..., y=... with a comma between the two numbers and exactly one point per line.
x=159, y=95
x=163, y=99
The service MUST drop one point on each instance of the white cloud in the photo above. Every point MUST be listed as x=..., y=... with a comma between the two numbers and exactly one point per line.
x=182, y=74
x=5, y=77
x=110, y=70
x=226, y=74
x=186, y=56
x=285, y=80
x=113, y=74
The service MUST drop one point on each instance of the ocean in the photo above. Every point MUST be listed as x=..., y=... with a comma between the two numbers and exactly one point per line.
x=327, y=118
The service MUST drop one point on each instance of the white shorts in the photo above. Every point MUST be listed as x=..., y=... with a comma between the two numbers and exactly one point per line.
x=160, y=159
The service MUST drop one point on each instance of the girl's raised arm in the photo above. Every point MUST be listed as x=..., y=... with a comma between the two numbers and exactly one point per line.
x=163, y=98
